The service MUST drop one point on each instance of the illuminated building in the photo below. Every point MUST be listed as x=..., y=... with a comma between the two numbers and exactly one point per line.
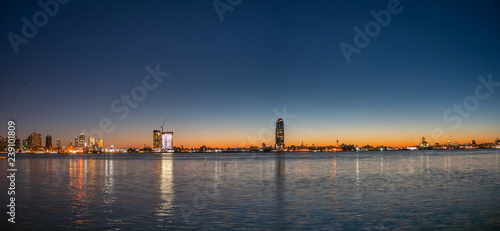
x=100, y=143
x=25, y=145
x=76, y=141
x=48, y=142
x=92, y=144
x=167, y=140
x=82, y=140
x=58, y=143
x=280, y=135
x=424, y=143
x=3, y=144
x=157, y=137
x=92, y=141
x=36, y=141
x=18, y=144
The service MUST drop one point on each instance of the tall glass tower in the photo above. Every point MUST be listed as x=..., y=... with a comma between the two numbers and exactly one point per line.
x=157, y=144
x=280, y=135
x=82, y=140
x=48, y=142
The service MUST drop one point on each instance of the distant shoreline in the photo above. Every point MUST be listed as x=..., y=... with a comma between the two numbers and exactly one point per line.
x=312, y=152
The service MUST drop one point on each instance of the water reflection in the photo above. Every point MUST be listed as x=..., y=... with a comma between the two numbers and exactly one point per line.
x=166, y=192
x=109, y=183
x=349, y=191
x=77, y=186
x=280, y=187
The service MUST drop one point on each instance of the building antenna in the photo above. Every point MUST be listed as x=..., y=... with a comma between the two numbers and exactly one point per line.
x=163, y=124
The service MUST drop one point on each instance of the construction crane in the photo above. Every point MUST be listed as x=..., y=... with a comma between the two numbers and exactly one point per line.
x=163, y=124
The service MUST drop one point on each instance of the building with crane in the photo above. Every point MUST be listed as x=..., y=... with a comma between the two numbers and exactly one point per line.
x=163, y=141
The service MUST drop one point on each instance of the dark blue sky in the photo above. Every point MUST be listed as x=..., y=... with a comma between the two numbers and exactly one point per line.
x=226, y=77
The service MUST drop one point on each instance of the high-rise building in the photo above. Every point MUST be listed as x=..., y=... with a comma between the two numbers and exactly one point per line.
x=92, y=144
x=82, y=140
x=58, y=144
x=280, y=135
x=168, y=140
x=92, y=141
x=30, y=141
x=17, y=146
x=76, y=141
x=157, y=136
x=26, y=145
x=100, y=144
x=424, y=143
x=3, y=144
x=48, y=141
x=36, y=141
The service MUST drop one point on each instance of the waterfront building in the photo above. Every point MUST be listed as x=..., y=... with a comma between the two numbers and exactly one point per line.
x=92, y=144
x=81, y=140
x=167, y=140
x=3, y=144
x=48, y=141
x=280, y=135
x=25, y=145
x=424, y=143
x=58, y=144
x=157, y=138
x=36, y=141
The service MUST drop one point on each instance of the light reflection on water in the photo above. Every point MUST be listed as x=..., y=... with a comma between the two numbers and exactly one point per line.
x=348, y=190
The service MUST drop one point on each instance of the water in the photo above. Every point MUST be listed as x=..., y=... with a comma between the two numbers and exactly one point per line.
x=406, y=190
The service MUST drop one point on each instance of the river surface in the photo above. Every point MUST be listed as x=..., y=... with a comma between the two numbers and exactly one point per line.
x=403, y=190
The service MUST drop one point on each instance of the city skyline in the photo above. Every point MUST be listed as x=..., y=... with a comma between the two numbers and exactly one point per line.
x=35, y=140
x=223, y=83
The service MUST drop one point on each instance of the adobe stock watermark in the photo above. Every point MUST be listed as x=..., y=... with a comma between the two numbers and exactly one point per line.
x=470, y=104
x=221, y=8
x=127, y=102
x=11, y=171
x=30, y=28
x=371, y=30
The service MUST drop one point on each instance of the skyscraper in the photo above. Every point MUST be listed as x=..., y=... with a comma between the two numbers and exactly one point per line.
x=76, y=142
x=36, y=141
x=100, y=144
x=30, y=141
x=58, y=144
x=82, y=140
x=26, y=145
x=157, y=140
x=92, y=141
x=280, y=135
x=168, y=140
x=48, y=141
x=92, y=144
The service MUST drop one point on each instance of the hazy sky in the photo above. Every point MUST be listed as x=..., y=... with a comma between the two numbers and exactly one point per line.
x=226, y=76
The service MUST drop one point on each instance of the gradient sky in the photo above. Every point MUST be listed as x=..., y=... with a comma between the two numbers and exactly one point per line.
x=226, y=77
